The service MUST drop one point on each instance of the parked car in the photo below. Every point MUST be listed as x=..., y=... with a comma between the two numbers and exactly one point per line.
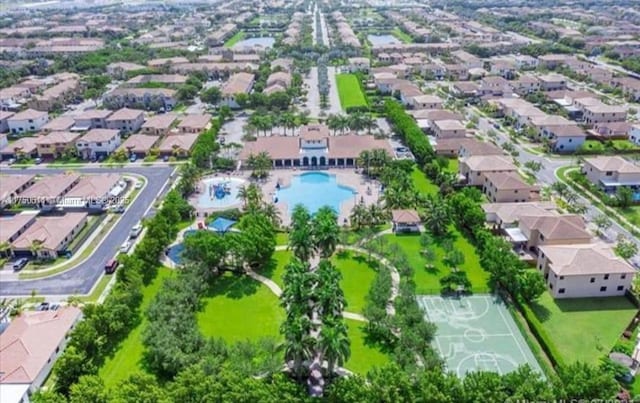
x=20, y=264
x=43, y=307
x=38, y=161
x=133, y=158
x=135, y=231
x=138, y=185
x=118, y=208
x=124, y=248
x=111, y=266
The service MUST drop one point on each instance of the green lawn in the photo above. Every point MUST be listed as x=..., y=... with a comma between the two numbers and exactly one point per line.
x=238, y=308
x=282, y=238
x=453, y=165
x=584, y=329
x=422, y=183
x=349, y=91
x=357, y=277
x=275, y=270
x=428, y=281
x=234, y=39
x=364, y=354
x=400, y=34
x=127, y=359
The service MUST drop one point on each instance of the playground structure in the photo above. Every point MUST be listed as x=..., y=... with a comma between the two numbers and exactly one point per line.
x=219, y=190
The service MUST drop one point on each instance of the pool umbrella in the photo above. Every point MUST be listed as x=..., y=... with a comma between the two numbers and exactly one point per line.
x=221, y=224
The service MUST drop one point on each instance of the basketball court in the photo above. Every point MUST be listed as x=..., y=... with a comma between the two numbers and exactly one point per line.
x=477, y=333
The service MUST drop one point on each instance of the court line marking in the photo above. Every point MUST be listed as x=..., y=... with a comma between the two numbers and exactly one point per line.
x=514, y=337
x=487, y=335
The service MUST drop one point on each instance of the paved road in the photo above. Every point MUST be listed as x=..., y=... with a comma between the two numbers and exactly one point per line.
x=81, y=278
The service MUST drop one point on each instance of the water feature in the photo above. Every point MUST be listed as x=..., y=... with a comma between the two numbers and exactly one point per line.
x=264, y=41
x=315, y=190
x=383, y=40
x=218, y=193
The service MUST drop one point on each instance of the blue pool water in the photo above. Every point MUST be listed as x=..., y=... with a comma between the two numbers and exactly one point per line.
x=175, y=251
x=314, y=190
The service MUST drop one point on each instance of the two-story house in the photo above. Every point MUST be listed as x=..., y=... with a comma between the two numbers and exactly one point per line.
x=126, y=120
x=611, y=173
x=584, y=270
x=27, y=121
x=98, y=143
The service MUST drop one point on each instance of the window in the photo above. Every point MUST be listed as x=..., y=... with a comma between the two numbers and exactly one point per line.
x=606, y=277
x=623, y=276
x=551, y=286
x=561, y=291
x=603, y=289
x=620, y=287
x=593, y=280
x=561, y=277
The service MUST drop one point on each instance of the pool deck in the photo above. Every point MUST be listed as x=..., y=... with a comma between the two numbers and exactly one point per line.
x=346, y=177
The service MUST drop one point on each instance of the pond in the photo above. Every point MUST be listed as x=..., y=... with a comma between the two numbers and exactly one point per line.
x=262, y=41
x=377, y=40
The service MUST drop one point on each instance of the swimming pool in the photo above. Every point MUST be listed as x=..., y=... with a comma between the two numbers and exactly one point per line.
x=175, y=252
x=314, y=190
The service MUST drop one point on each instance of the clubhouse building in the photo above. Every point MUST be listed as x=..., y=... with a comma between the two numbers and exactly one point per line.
x=315, y=147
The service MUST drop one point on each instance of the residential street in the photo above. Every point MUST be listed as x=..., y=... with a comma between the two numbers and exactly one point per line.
x=81, y=279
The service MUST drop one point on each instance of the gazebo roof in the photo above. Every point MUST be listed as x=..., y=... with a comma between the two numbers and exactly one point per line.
x=221, y=224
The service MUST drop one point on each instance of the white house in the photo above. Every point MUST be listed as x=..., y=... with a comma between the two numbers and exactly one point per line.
x=584, y=271
x=610, y=173
x=98, y=142
x=28, y=121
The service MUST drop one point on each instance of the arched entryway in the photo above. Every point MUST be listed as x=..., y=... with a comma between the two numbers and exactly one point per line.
x=305, y=161
x=314, y=161
x=323, y=161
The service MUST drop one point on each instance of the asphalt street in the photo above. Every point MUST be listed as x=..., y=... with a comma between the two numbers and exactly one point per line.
x=80, y=279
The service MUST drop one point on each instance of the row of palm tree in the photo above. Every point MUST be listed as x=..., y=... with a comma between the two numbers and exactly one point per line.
x=367, y=216
x=260, y=164
x=356, y=122
x=313, y=330
x=266, y=122
x=373, y=161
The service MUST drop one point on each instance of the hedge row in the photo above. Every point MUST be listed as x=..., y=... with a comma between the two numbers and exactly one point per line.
x=541, y=334
x=408, y=129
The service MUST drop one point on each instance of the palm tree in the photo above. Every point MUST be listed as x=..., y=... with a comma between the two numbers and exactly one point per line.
x=438, y=215
x=243, y=193
x=333, y=123
x=288, y=121
x=326, y=233
x=368, y=123
x=36, y=247
x=5, y=247
x=334, y=344
x=344, y=123
x=299, y=346
x=272, y=212
x=301, y=236
x=358, y=217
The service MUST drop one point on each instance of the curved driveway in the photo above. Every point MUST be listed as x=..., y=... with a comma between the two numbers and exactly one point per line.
x=80, y=279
